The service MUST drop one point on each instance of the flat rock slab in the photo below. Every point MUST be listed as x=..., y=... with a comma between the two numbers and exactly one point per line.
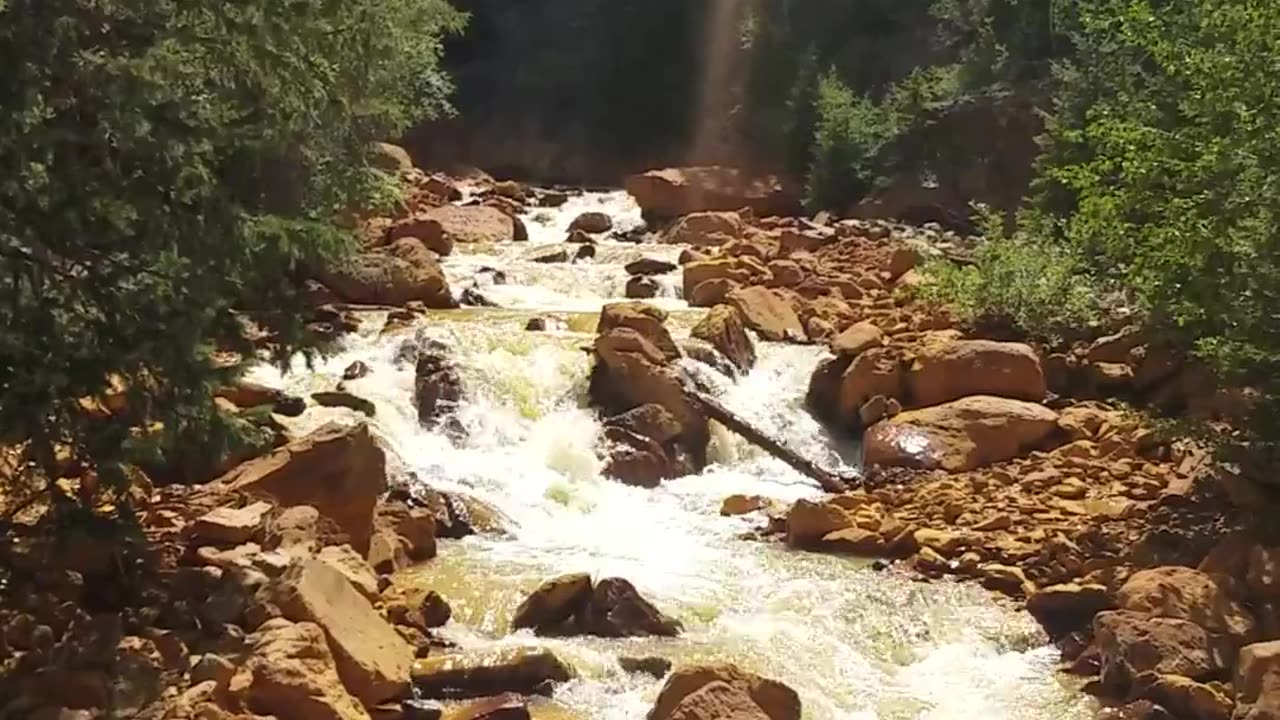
x=229, y=526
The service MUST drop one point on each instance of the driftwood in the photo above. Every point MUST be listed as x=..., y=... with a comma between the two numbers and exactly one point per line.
x=715, y=410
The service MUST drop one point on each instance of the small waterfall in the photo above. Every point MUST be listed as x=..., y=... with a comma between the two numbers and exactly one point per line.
x=855, y=643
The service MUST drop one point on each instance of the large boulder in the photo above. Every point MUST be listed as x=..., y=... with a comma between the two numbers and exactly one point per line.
x=768, y=313
x=427, y=230
x=474, y=223
x=1130, y=644
x=808, y=522
x=616, y=609
x=648, y=320
x=1187, y=594
x=962, y=435
x=674, y=192
x=489, y=672
x=726, y=273
x=294, y=675
x=371, y=658
x=946, y=371
x=718, y=701
x=723, y=328
x=554, y=603
x=874, y=372
x=592, y=222
x=774, y=699
x=857, y=339
x=340, y=471
x=632, y=371
x=705, y=229
x=378, y=278
x=1257, y=682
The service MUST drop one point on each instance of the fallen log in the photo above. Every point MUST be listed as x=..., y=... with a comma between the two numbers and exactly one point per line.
x=715, y=410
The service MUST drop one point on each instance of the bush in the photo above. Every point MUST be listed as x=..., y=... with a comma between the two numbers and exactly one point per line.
x=850, y=132
x=1016, y=280
x=169, y=169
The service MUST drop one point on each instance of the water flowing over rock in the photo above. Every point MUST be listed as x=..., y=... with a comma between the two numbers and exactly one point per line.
x=679, y=191
x=554, y=603
x=723, y=328
x=437, y=388
x=340, y=471
x=961, y=435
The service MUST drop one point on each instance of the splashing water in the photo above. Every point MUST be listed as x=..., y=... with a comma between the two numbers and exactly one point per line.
x=855, y=643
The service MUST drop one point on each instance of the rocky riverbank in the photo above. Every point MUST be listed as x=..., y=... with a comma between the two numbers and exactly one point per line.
x=276, y=586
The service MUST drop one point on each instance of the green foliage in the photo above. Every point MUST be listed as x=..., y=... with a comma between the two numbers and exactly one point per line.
x=1164, y=165
x=168, y=170
x=1016, y=280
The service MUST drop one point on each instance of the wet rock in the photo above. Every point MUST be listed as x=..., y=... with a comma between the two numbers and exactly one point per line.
x=474, y=224
x=649, y=266
x=742, y=504
x=637, y=373
x=415, y=606
x=1183, y=697
x=510, y=189
x=962, y=435
x=724, y=329
x=658, y=667
x=508, y=706
x=424, y=232
x=639, y=461
x=554, y=603
x=711, y=292
x=718, y=700
x=874, y=372
x=484, y=673
x=766, y=312
x=648, y=320
x=774, y=699
x=1257, y=682
x=414, y=526
x=724, y=269
x=641, y=287
x=345, y=399
x=808, y=522
x=584, y=252
x=536, y=325
x=552, y=198
x=1131, y=644
x=421, y=710
x=1067, y=608
x=705, y=353
x=1187, y=594
x=383, y=279
x=592, y=222
x=355, y=371
x=857, y=338
x=705, y=229
x=293, y=674
x=437, y=388
x=473, y=297
x=547, y=256
x=229, y=526
x=674, y=192
x=616, y=609
x=340, y=471
x=246, y=394
x=943, y=372
x=371, y=658
x=651, y=421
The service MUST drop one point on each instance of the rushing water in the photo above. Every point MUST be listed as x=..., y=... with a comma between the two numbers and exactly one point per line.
x=854, y=642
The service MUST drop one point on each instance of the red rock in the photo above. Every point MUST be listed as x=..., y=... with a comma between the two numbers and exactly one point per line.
x=962, y=435
x=942, y=372
x=674, y=192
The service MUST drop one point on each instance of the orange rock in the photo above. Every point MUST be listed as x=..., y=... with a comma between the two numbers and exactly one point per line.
x=946, y=371
x=961, y=435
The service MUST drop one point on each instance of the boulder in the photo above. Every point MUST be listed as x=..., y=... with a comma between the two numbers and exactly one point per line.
x=674, y=192
x=426, y=230
x=415, y=526
x=390, y=158
x=718, y=701
x=874, y=372
x=1130, y=644
x=554, y=603
x=294, y=675
x=1064, y=609
x=616, y=609
x=639, y=461
x=776, y=700
x=641, y=287
x=697, y=272
x=742, y=505
x=489, y=672
x=808, y=522
x=371, y=658
x=711, y=292
x=706, y=229
x=636, y=372
x=1183, y=697
x=339, y=398
x=384, y=279
x=229, y=526
x=857, y=339
x=651, y=421
x=649, y=266
x=340, y=471
x=354, y=568
x=474, y=223
x=645, y=319
x=437, y=388
x=942, y=372
x=768, y=313
x=592, y=222
x=657, y=667
x=1257, y=682
x=507, y=706
x=1187, y=594
x=723, y=328
x=962, y=435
